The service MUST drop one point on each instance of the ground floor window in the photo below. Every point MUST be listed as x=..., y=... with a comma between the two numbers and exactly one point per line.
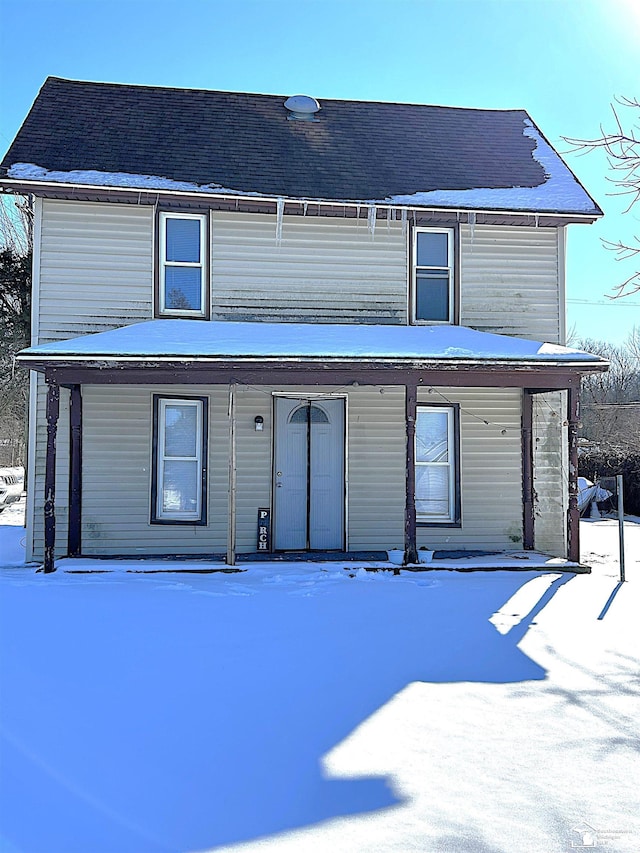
x=178, y=488
x=437, y=465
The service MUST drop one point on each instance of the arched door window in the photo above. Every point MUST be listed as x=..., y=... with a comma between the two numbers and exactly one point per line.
x=306, y=413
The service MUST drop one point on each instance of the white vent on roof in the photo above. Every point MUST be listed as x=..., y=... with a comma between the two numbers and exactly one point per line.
x=302, y=108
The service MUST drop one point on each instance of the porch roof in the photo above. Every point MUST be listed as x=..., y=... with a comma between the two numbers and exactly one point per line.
x=179, y=341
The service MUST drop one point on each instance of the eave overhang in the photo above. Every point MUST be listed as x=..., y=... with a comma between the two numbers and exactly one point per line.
x=255, y=203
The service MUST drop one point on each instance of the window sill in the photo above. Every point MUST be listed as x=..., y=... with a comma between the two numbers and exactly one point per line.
x=197, y=522
x=433, y=323
x=181, y=315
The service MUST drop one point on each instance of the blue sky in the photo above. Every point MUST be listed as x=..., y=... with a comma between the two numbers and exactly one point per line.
x=561, y=60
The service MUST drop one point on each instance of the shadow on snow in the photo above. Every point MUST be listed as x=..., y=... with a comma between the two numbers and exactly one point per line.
x=149, y=715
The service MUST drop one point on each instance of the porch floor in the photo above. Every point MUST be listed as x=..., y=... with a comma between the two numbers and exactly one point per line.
x=461, y=561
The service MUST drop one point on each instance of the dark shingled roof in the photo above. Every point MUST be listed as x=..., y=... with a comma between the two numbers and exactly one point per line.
x=356, y=150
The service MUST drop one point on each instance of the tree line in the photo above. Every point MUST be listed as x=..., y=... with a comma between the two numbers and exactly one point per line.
x=16, y=250
x=610, y=417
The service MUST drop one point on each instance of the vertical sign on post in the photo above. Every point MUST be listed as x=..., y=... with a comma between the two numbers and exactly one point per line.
x=264, y=529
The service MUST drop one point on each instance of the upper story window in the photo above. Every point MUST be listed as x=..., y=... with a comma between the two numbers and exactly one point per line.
x=182, y=265
x=433, y=275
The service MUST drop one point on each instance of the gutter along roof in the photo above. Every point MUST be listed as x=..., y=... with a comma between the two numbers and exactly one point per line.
x=227, y=143
x=193, y=341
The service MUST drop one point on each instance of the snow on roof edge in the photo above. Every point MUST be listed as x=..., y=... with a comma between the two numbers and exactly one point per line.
x=560, y=187
x=560, y=193
x=216, y=340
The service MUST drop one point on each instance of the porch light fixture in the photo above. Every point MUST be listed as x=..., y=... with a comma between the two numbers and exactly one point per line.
x=259, y=423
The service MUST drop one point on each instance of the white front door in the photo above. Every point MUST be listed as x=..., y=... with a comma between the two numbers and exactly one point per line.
x=309, y=474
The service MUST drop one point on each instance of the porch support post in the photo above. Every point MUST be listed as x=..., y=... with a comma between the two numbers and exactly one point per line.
x=231, y=530
x=74, y=541
x=573, y=520
x=527, y=470
x=53, y=410
x=410, y=547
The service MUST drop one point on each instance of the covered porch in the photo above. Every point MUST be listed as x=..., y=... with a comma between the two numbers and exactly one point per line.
x=235, y=365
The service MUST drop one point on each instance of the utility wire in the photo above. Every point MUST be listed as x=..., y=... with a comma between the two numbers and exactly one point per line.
x=630, y=405
x=429, y=389
x=620, y=302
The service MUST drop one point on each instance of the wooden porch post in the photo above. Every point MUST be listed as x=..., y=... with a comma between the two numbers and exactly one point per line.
x=528, y=532
x=231, y=530
x=573, y=520
x=410, y=548
x=53, y=410
x=74, y=541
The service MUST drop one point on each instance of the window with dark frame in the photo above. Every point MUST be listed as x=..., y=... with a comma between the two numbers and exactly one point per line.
x=433, y=275
x=182, y=265
x=179, y=473
x=437, y=490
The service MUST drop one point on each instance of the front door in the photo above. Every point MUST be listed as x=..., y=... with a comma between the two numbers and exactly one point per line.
x=309, y=474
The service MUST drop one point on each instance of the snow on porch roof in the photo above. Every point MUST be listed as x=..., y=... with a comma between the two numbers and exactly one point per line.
x=197, y=340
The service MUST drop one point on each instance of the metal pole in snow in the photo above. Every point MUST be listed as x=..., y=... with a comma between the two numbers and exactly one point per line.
x=619, y=486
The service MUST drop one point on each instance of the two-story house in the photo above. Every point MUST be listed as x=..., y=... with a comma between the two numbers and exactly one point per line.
x=347, y=315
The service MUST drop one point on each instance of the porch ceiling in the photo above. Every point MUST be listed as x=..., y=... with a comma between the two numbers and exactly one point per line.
x=199, y=346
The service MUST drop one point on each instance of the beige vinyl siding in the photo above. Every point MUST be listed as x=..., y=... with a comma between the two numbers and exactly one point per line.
x=377, y=465
x=323, y=270
x=96, y=273
x=117, y=475
x=550, y=474
x=253, y=462
x=509, y=281
x=491, y=470
x=117, y=436
x=96, y=270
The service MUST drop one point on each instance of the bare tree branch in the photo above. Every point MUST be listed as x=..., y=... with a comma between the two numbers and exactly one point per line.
x=622, y=150
x=16, y=219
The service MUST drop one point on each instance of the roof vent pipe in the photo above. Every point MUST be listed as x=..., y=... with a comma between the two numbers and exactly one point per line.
x=302, y=108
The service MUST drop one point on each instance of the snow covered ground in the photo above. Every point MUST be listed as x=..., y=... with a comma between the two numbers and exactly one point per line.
x=305, y=707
